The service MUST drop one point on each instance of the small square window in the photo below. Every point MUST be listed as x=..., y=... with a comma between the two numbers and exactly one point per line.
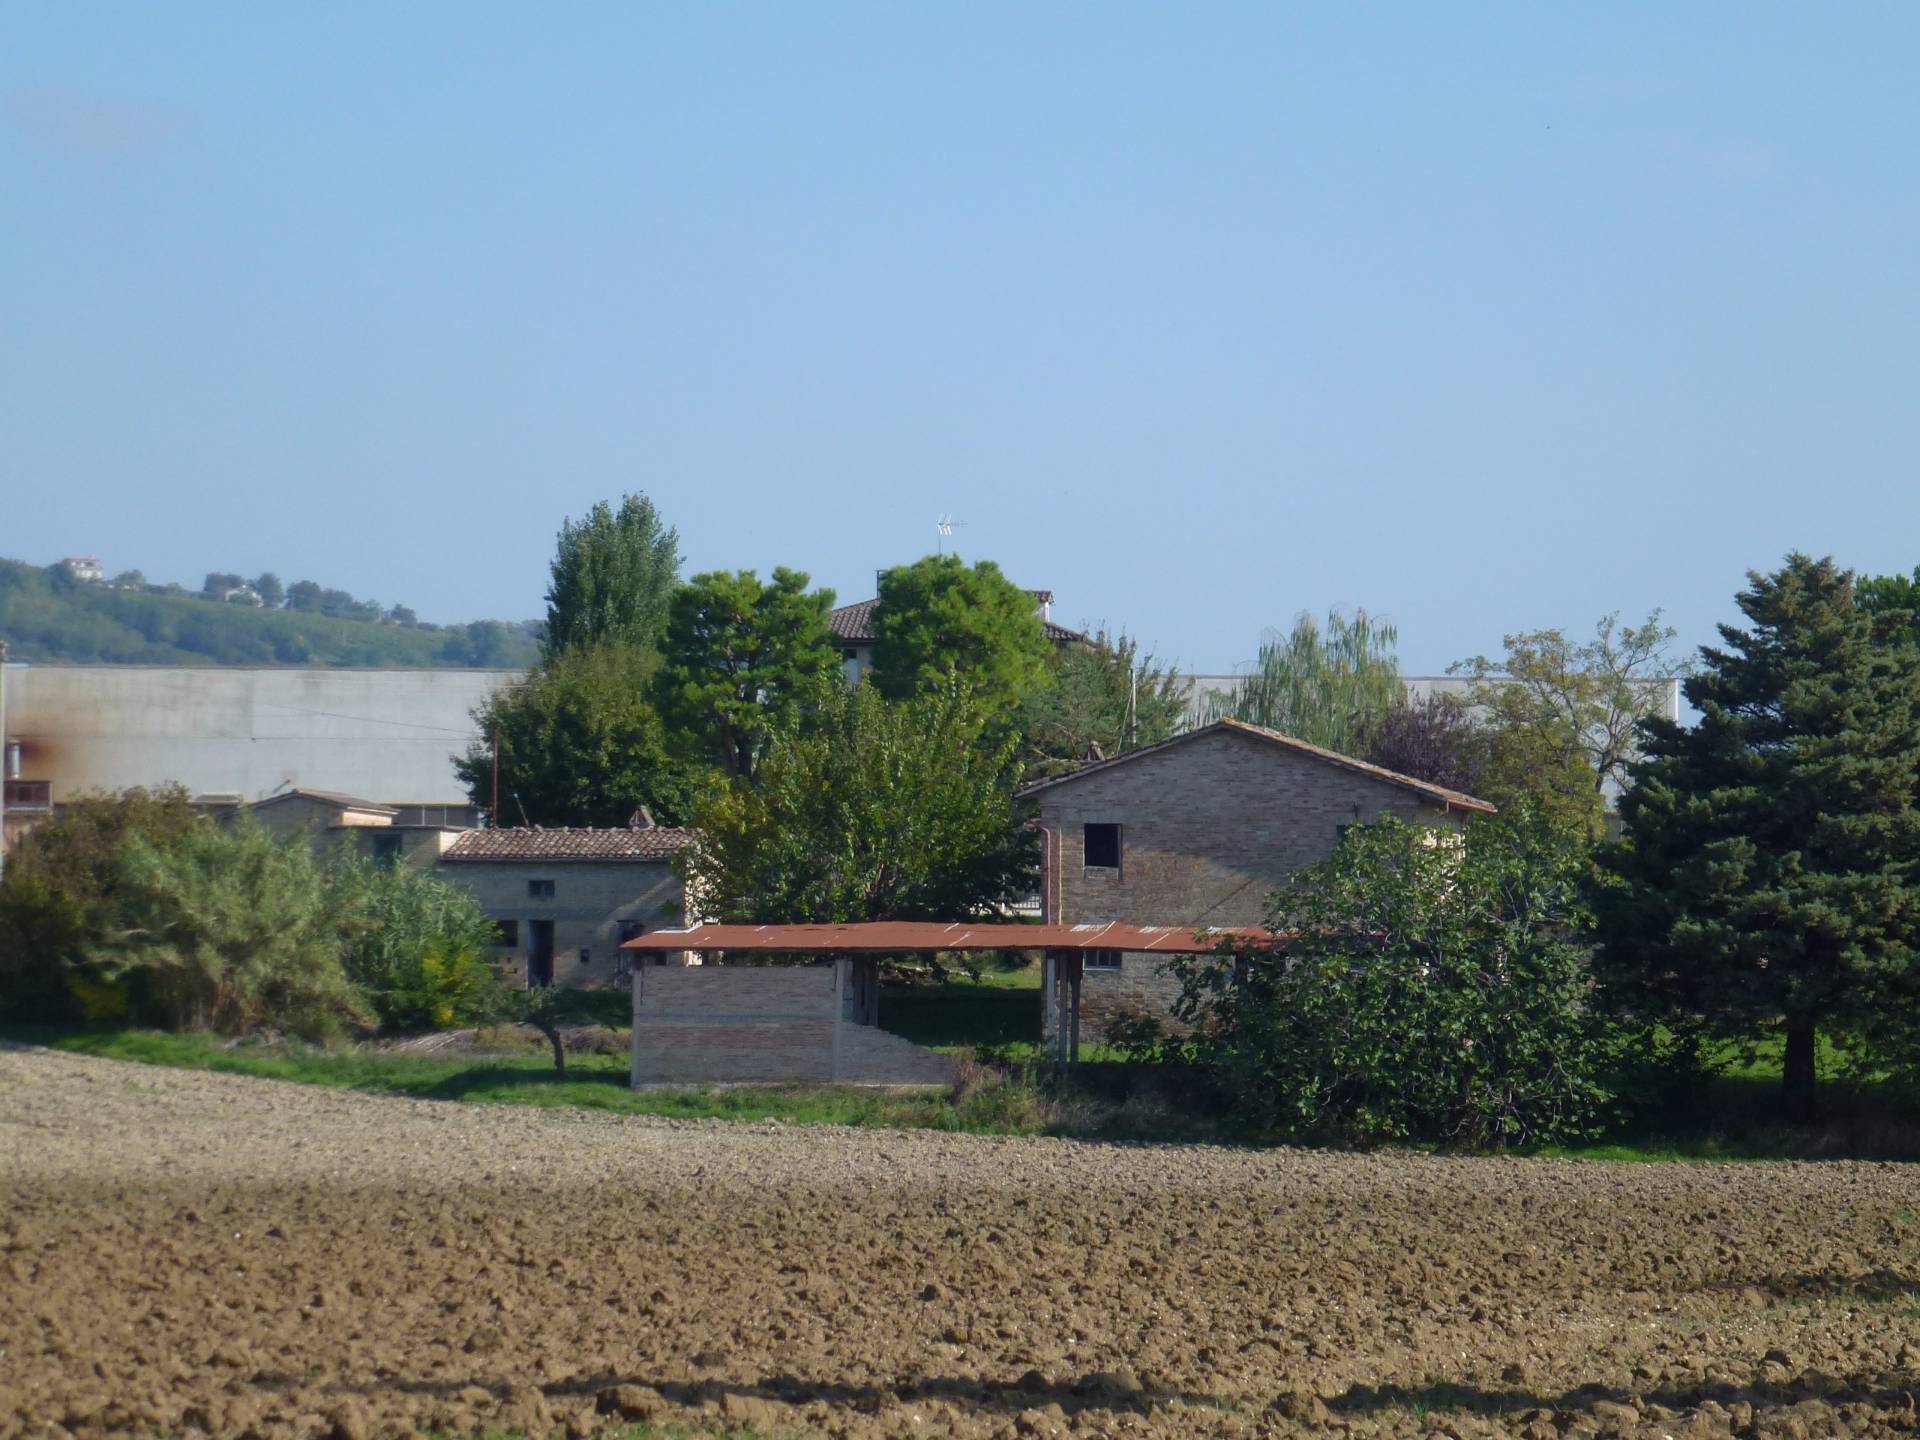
x=1103, y=847
x=540, y=889
x=507, y=933
x=1101, y=959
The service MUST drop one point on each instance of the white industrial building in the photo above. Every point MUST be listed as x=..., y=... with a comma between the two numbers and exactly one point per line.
x=233, y=735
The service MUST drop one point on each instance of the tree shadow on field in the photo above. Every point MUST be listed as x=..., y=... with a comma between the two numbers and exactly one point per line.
x=1092, y=1392
x=1892, y=1390
x=1874, y=1287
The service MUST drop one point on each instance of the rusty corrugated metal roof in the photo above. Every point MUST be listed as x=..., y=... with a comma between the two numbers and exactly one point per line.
x=896, y=936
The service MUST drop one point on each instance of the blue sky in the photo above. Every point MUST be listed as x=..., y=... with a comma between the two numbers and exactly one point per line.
x=1486, y=317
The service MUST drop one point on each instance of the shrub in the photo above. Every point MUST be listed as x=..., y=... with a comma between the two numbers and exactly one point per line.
x=230, y=930
x=58, y=894
x=1427, y=991
x=415, y=945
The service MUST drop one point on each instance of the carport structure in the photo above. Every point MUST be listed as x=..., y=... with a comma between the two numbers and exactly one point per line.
x=856, y=949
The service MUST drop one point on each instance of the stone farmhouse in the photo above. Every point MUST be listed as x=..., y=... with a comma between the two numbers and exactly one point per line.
x=564, y=900
x=1198, y=831
x=567, y=900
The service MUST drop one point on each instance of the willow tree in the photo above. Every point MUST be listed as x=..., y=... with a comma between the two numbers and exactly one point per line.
x=1324, y=684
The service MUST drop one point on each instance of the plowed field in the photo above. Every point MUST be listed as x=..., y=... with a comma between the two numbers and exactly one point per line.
x=184, y=1253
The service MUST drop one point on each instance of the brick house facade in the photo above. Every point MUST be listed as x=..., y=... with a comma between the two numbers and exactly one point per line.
x=1200, y=830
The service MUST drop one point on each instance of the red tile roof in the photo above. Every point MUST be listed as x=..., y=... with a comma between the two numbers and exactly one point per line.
x=853, y=624
x=1434, y=794
x=662, y=842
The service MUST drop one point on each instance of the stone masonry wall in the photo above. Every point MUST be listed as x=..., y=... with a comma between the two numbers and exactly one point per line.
x=591, y=901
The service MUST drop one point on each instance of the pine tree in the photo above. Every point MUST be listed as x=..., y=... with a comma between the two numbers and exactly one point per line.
x=741, y=657
x=1770, y=874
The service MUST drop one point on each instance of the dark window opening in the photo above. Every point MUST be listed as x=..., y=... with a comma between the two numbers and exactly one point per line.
x=1102, y=959
x=540, y=954
x=540, y=889
x=507, y=932
x=386, y=850
x=1103, y=847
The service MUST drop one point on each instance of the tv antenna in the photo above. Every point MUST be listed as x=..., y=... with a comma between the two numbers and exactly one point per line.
x=945, y=525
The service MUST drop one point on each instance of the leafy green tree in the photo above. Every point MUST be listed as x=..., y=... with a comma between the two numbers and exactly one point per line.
x=1325, y=685
x=230, y=930
x=271, y=592
x=875, y=810
x=304, y=595
x=1425, y=991
x=740, y=658
x=417, y=947
x=580, y=744
x=613, y=573
x=938, y=619
x=1769, y=881
x=1105, y=697
x=1893, y=596
x=130, y=580
x=57, y=896
x=1564, y=714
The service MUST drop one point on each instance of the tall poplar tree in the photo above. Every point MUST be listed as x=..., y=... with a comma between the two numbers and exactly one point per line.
x=612, y=575
x=1769, y=881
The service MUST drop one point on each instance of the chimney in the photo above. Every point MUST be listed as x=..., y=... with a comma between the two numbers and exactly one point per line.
x=641, y=819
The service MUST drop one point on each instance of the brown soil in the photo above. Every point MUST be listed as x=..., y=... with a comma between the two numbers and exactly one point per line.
x=184, y=1253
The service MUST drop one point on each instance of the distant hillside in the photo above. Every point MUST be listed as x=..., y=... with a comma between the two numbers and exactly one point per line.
x=49, y=614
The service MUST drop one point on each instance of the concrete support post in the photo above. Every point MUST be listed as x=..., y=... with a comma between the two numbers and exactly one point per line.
x=842, y=978
x=1048, y=1032
x=633, y=1045
x=1073, y=1030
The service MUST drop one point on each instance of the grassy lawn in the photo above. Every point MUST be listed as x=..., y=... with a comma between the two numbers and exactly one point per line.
x=1001, y=1010
x=599, y=1082
x=1732, y=1117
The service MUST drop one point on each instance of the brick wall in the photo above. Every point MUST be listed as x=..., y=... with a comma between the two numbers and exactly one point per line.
x=764, y=1023
x=1208, y=830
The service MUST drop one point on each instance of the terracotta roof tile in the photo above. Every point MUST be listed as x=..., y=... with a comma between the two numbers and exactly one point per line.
x=538, y=844
x=854, y=623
